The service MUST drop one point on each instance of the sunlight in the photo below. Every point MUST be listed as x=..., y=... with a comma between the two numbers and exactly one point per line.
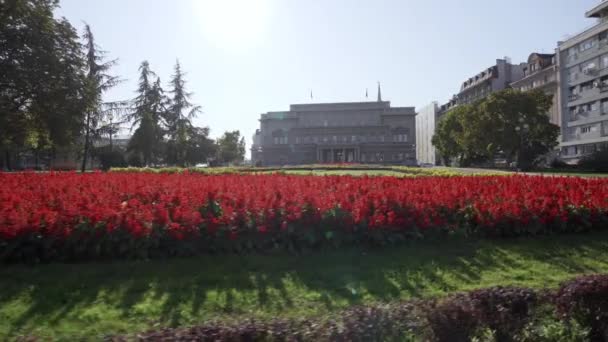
x=233, y=24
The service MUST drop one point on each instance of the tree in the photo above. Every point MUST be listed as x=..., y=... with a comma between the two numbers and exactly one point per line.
x=519, y=125
x=148, y=111
x=42, y=78
x=445, y=137
x=199, y=148
x=231, y=147
x=509, y=122
x=178, y=119
x=99, y=115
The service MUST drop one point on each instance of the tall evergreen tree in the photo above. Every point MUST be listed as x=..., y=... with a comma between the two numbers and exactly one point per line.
x=178, y=119
x=99, y=116
x=149, y=107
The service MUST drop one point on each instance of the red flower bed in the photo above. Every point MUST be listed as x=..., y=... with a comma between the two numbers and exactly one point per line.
x=73, y=216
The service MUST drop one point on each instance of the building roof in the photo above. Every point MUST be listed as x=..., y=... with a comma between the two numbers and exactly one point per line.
x=598, y=11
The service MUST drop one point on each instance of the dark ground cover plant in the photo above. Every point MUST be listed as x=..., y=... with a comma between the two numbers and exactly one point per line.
x=497, y=313
x=585, y=299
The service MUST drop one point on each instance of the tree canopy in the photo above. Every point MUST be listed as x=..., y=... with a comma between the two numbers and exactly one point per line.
x=231, y=148
x=511, y=123
x=42, y=78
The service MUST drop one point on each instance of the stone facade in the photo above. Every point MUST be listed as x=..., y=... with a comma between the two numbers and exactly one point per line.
x=583, y=61
x=541, y=73
x=490, y=80
x=351, y=132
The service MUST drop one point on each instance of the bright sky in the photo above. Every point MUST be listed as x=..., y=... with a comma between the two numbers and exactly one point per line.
x=246, y=57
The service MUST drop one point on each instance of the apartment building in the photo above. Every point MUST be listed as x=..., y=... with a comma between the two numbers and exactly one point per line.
x=490, y=80
x=583, y=78
x=426, y=121
x=541, y=72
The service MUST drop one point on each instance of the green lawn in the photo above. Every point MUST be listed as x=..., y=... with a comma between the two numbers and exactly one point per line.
x=70, y=302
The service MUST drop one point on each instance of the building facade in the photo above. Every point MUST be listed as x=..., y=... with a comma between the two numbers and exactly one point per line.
x=493, y=79
x=426, y=121
x=541, y=73
x=583, y=78
x=361, y=132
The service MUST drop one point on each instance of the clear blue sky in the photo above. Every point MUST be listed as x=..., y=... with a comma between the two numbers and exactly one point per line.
x=246, y=57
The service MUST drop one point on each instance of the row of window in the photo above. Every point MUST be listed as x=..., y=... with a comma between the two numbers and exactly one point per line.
x=479, y=93
x=538, y=83
x=587, y=108
x=380, y=157
x=341, y=139
x=583, y=149
x=589, y=67
x=587, y=45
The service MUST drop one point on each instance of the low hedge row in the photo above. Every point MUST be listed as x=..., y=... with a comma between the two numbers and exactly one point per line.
x=406, y=170
x=578, y=310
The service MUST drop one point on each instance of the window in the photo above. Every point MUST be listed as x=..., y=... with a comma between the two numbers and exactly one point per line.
x=362, y=157
x=586, y=45
x=353, y=138
x=297, y=140
x=604, y=107
x=604, y=61
x=586, y=86
x=586, y=129
x=335, y=138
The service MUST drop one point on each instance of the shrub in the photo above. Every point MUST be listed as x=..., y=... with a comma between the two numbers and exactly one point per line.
x=505, y=310
x=452, y=319
x=391, y=322
x=585, y=299
x=597, y=161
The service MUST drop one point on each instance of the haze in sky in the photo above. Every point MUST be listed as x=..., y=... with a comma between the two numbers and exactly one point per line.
x=246, y=57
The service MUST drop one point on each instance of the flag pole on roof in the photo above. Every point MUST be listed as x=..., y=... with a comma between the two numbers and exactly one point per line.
x=379, y=93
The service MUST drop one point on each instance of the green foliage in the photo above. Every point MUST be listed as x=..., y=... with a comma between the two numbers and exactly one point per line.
x=509, y=122
x=597, y=162
x=42, y=76
x=231, y=148
x=99, y=115
x=186, y=144
x=149, y=108
x=110, y=157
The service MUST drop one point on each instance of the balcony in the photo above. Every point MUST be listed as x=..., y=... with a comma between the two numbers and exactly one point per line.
x=603, y=87
x=573, y=97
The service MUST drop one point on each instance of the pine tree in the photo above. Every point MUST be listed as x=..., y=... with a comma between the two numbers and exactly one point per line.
x=178, y=119
x=99, y=116
x=149, y=107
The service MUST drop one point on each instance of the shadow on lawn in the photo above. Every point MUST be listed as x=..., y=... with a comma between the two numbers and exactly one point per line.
x=180, y=291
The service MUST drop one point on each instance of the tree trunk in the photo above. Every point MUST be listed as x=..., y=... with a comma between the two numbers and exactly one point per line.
x=86, y=144
x=7, y=160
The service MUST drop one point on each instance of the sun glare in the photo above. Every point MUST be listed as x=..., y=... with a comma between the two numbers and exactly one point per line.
x=233, y=24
